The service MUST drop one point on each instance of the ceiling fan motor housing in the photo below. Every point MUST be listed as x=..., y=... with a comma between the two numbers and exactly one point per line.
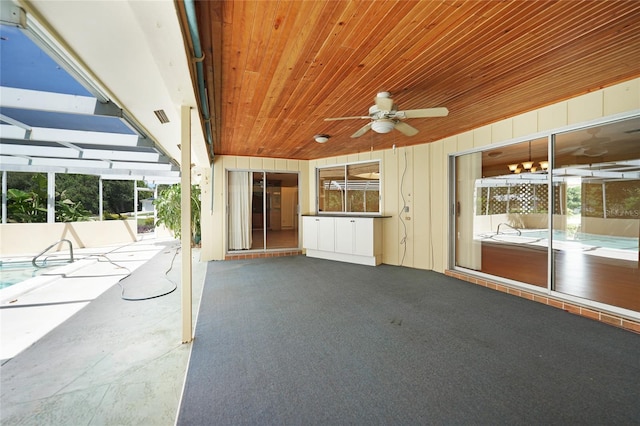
x=383, y=125
x=376, y=113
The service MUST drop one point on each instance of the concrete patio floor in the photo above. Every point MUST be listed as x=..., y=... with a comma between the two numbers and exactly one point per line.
x=113, y=361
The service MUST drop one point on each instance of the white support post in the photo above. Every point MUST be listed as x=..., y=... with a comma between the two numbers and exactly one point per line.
x=100, y=201
x=185, y=222
x=51, y=197
x=135, y=205
x=155, y=210
x=4, y=196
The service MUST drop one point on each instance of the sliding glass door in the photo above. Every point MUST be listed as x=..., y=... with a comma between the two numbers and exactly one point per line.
x=596, y=231
x=502, y=214
x=263, y=210
x=588, y=180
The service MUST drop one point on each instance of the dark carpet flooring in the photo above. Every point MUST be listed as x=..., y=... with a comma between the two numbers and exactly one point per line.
x=302, y=341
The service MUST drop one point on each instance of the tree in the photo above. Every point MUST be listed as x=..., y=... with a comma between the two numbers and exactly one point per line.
x=30, y=206
x=169, y=211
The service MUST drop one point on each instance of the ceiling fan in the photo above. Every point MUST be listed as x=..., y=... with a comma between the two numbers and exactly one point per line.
x=385, y=117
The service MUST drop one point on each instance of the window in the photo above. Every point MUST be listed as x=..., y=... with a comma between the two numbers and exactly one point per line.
x=349, y=188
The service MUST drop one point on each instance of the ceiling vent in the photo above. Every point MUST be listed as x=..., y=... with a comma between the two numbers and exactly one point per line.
x=162, y=116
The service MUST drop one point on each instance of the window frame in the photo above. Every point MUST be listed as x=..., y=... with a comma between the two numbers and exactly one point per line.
x=345, y=168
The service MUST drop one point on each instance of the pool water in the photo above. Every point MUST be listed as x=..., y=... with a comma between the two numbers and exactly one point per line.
x=14, y=272
x=620, y=243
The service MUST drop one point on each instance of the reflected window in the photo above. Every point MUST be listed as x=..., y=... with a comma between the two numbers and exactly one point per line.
x=351, y=188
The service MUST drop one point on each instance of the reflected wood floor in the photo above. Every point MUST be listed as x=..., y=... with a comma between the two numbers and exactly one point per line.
x=615, y=282
x=280, y=239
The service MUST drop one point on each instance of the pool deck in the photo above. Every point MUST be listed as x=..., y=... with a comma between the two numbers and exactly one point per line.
x=75, y=352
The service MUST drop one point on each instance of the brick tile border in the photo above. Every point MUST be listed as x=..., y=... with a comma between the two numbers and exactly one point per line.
x=263, y=254
x=591, y=313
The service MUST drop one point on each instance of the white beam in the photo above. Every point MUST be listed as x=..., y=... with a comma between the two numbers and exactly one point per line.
x=4, y=197
x=185, y=222
x=81, y=136
x=11, y=97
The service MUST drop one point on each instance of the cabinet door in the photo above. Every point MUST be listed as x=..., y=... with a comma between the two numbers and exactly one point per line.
x=326, y=233
x=345, y=235
x=363, y=236
x=310, y=232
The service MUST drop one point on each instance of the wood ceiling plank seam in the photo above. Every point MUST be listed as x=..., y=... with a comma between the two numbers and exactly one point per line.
x=347, y=21
x=297, y=87
x=297, y=26
x=260, y=35
x=318, y=58
x=275, y=50
x=387, y=88
x=481, y=53
x=511, y=47
x=343, y=56
x=240, y=136
x=460, y=20
x=260, y=30
x=419, y=48
x=264, y=129
x=368, y=42
x=233, y=41
x=310, y=65
x=500, y=99
x=536, y=66
x=379, y=20
x=475, y=47
x=569, y=56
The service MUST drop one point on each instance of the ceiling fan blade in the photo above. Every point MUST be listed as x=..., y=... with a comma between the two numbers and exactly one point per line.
x=348, y=118
x=361, y=131
x=405, y=129
x=423, y=113
x=384, y=104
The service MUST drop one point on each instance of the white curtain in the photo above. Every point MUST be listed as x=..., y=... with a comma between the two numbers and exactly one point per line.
x=468, y=250
x=240, y=210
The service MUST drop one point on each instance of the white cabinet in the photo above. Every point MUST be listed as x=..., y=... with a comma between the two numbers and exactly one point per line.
x=347, y=239
x=318, y=233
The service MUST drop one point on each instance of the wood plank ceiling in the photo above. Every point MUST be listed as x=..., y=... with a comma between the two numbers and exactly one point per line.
x=276, y=69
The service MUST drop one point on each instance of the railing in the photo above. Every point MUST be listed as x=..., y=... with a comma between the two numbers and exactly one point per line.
x=509, y=226
x=35, y=258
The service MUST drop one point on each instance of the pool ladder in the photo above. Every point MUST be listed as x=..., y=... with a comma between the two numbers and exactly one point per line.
x=34, y=260
x=509, y=226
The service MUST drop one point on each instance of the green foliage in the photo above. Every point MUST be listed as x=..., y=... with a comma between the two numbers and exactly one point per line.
x=169, y=211
x=70, y=211
x=31, y=206
x=82, y=189
x=574, y=199
x=25, y=207
x=118, y=196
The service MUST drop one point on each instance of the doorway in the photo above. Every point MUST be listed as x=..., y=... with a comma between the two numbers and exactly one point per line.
x=263, y=211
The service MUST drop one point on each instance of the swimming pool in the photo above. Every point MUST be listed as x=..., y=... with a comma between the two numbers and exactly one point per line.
x=13, y=272
x=540, y=237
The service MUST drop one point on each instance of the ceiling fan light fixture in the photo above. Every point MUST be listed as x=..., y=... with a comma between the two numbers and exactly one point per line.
x=321, y=138
x=383, y=125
